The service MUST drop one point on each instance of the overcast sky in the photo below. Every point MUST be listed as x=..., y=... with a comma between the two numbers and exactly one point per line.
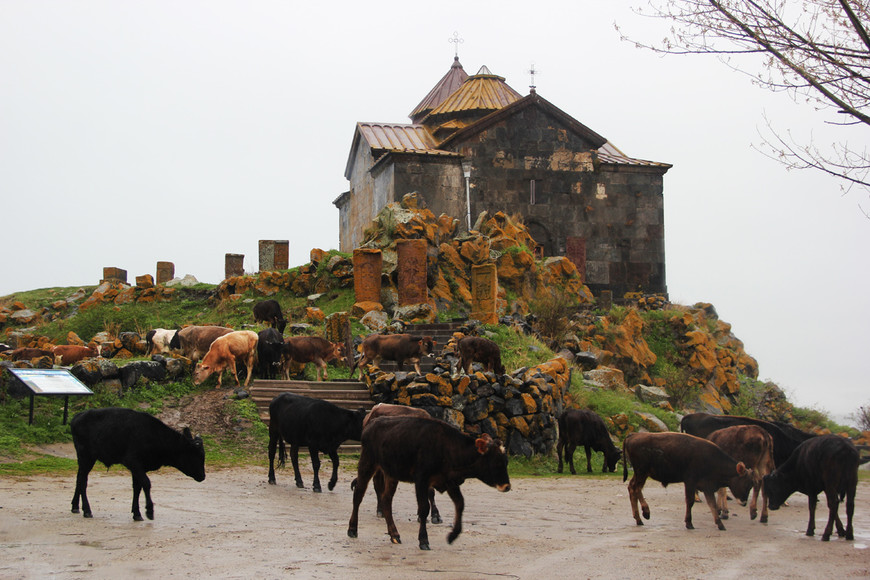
x=136, y=132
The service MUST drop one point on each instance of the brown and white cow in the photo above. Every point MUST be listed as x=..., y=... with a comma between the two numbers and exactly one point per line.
x=430, y=454
x=388, y=410
x=158, y=340
x=70, y=354
x=194, y=341
x=681, y=458
x=306, y=349
x=223, y=354
x=395, y=347
x=482, y=350
x=753, y=446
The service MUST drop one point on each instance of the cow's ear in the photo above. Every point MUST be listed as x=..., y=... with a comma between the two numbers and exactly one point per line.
x=482, y=443
x=187, y=434
x=741, y=468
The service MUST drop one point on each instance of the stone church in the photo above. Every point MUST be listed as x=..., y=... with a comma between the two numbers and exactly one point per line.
x=475, y=144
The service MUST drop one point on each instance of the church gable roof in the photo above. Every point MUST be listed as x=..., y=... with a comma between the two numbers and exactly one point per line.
x=443, y=89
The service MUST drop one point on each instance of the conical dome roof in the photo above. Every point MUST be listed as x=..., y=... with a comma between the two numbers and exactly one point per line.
x=484, y=92
x=445, y=87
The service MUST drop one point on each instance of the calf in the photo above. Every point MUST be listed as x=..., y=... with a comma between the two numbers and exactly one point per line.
x=387, y=410
x=826, y=463
x=158, y=340
x=754, y=447
x=70, y=354
x=677, y=457
x=269, y=311
x=785, y=440
x=396, y=347
x=582, y=427
x=313, y=423
x=139, y=442
x=194, y=341
x=430, y=454
x=223, y=354
x=483, y=350
x=306, y=349
x=28, y=353
x=270, y=345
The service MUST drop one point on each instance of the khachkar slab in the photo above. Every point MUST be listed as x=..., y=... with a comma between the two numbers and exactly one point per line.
x=368, y=264
x=115, y=274
x=234, y=265
x=411, y=257
x=274, y=255
x=484, y=293
x=165, y=272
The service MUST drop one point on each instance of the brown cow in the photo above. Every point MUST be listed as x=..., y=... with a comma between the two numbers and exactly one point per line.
x=223, y=354
x=70, y=354
x=28, y=353
x=194, y=341
x=753, y=446
x=584, y=427
x=396, y=347
x=678, y=457
x=483, y=350
x=388, y=410
x=306, y=349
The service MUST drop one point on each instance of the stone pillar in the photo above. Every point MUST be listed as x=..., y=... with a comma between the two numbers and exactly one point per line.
x=165, y=272
x=337, y=329
x=234, y=265
x=484, y=293
x=274, y=255
x=111, y=274
x=411, y=257
x=367, y=267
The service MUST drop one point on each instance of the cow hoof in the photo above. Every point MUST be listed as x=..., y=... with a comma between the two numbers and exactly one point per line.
x=150, y=515
x=811, y=533
x=753, y=514
x=300, y=485
x=849, y=536
x=826, y=538
x=646, y=514
x=138, y=518
x=317, y=490
x=689, y=526
x=272, y=481
x=396, y=539
x=763, y=519
x=351, y=533
x=424, y=546
x=88, y=515
x=721, y=527
x=331, y=485
x=75, y=510
x=436, y=519
x=639, y=522
x=724, y=516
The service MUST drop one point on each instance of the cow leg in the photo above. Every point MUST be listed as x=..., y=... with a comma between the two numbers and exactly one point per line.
x=85, y=466
x=250, y=364
x=378, y=484
x=764, y=512
x=146, y=488
x=434, y=516
x=560, y=448
x=294, y=459
x=710, y=497
x=753, y=503
x=364, y=473
x=833, y=506
x=589, y=459
x=635, y=495
x=315, y=464
x=850, y=510
x=140, y=483
x=390, y=486
x=417, y=366
x=722, y=503
x=421, y=487
x=236, y=374
x=333, y=455
x=811, y=526
x=459, y=503
x=273, y=444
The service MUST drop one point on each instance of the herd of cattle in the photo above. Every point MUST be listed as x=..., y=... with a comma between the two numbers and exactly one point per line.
x=400, y=443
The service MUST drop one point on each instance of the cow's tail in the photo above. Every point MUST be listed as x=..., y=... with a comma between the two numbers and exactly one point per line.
x=282, y=453
x=353, y=484
x=624, y=462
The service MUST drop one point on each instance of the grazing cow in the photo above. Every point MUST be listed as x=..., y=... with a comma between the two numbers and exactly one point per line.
x=430, y=454
x=158, y=340
x=583, y=427
x=754, y=447
x=396, y=347
x=387, y=410
x=482, y=350
x=194, y=341
x=28, y=353
x=139, y=442
x=313, y=423
x=269, y=311
x=223, y=354
x=269, y=348
x=306, y=349
x=826, y=463
x=70, y=354
x=784, y=440
x=678, y=457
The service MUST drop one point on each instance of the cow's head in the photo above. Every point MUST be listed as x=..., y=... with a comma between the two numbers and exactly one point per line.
x=201, y=372
x=741, y=483
x=492, y=463
x=611, y=458
x=776, y=490
x=427, y=345
x=192, y=456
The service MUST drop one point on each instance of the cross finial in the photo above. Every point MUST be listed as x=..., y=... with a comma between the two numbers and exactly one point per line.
x=457, y=41
x=532, y=72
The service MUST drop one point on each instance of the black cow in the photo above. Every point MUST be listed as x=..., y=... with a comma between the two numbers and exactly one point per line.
x=313, y=423
x=139, y=442
x=785, y=437
x=583, y=427
x=827, y=463
x=678, y=457
x=269, y=311
x=430, y=454
x=270, y=345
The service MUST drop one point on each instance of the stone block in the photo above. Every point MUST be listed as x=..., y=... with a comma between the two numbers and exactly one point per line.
x=411, y=256
x=484, y=293
x=114, y=274
x=367, y=267
x=234, y=265
x=165, y=272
